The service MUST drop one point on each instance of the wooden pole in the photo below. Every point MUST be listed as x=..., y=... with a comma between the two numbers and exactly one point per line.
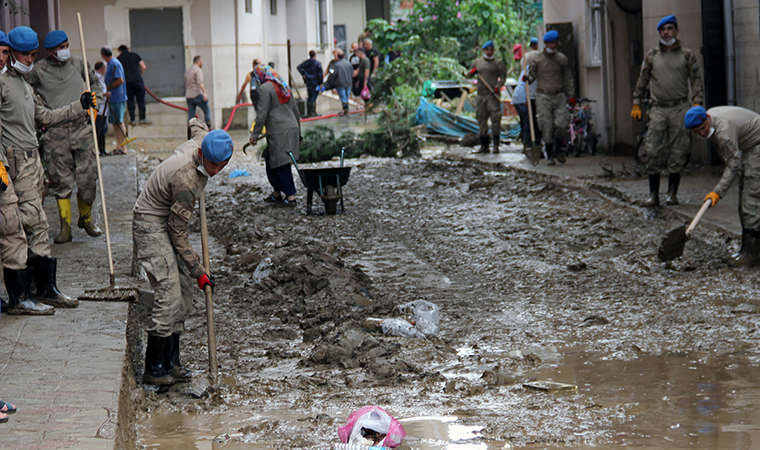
x=91, y=113
x=212, y=362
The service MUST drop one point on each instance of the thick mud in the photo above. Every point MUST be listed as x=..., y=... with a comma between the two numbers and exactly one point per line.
x=535, y=281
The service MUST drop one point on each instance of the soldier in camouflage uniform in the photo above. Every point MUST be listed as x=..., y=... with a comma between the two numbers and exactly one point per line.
x=735, y=132
x=491, y=74
x=161, y=214
x=555, y=88
x=69, y=149
x=20, y=112
x=666, y=72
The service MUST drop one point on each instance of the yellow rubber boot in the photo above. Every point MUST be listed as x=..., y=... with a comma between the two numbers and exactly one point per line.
x=85, y=219
x=64, y=211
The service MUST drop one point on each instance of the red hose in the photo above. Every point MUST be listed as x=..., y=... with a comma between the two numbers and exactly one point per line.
x=234, y=108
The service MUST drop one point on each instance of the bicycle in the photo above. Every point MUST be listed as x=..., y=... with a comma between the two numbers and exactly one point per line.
x=582, y=136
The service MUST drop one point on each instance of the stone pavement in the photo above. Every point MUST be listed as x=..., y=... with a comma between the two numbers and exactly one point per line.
x=64, y=372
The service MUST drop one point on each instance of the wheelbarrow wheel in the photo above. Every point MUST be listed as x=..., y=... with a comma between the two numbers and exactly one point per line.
x=331, y=200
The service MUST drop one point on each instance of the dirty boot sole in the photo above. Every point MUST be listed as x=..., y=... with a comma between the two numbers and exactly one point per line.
x=89, y=228
x=17, y=311
x=166, y=380
x=59, y=302
x=181, y=374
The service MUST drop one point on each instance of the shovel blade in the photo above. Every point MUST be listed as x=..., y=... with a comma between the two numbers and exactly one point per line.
x=533, y=153
x=673, y=244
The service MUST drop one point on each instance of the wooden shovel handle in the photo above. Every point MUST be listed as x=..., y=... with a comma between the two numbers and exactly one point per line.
x=530, y=112
x=698, y=217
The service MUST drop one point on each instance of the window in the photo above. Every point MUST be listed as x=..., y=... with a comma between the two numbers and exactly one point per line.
x=596, y=33
x=249, y=6
x=320, y=8
x=273, y=7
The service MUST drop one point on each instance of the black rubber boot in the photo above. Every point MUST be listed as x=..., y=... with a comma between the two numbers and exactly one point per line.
x=654, y=191
x=743, y=249
x=20, y=300
x=559, y=151
x=550, y=154
x=674, y=179
x=483, y=145
x=155, y=355
x=345, y=109
x=496, y=144
x=171, y=362
x=44, y=275
x=751, y=255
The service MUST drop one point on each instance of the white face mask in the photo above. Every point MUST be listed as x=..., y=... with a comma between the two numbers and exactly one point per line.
x=550, y=50
x=63, y=55
x=668, y=43
x=5, y=68
x=22, y=68
x=487, y=57
x=202, y=170
x=709, y=135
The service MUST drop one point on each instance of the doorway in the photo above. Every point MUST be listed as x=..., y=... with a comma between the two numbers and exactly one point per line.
x=156, y=36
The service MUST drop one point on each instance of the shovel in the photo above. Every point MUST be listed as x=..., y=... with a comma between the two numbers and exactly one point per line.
x=212, y=361
x=674, y=242
x=533, y=152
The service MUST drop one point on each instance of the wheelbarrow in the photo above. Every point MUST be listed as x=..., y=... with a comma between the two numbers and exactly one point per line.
x=328, y=182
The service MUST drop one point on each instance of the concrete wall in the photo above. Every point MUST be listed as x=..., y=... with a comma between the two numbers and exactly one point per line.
x=747, y=39
x=351, y=14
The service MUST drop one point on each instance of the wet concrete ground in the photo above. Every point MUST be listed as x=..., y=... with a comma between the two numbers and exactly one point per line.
x=535, y=280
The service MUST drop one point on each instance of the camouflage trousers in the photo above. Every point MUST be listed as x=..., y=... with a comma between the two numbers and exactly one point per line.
x=25, y=169
x=13, y=248
x=668, y=144
x=169, y=278
x=749, y=190
x=489, y=107
x=552, y=116
x=70, y=158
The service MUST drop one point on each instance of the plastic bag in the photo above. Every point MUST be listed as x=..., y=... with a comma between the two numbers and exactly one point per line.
x=239, y=173
x=400, y=327
x=365, y=95
x=373, y=418
x=426, y=315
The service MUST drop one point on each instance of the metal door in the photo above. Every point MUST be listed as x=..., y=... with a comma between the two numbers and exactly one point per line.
x=157, y=37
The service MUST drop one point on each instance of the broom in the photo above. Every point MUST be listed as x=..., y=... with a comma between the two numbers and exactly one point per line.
x=110, y=293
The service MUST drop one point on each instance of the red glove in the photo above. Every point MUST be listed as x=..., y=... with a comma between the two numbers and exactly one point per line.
x=572, y=101
x=525, y=78
x=473, y=71
x=206, y=280
x=497, y=91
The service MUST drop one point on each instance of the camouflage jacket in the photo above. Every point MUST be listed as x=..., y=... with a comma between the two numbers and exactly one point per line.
x=666, y=74
x=737, y=137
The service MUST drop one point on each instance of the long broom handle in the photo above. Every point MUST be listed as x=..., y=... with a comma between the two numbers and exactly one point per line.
x=698, y=217
x=212, y=364
x=530, y=112
x=112, y=277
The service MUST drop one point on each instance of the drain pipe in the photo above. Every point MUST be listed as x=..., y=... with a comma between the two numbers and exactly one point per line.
x=237, y=46
x=728, y=16
x=598, y=6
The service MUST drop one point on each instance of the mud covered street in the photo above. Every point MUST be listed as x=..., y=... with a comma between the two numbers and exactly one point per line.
x=535, y=281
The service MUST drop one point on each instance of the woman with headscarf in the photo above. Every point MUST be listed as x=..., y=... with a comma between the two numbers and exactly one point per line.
x=277, y=112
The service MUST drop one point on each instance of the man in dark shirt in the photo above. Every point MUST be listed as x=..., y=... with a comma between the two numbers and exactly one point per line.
x=311, y=71
x=134, y=67
x=374, y=57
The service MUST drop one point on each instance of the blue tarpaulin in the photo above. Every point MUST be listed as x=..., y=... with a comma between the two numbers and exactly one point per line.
x=441, y=121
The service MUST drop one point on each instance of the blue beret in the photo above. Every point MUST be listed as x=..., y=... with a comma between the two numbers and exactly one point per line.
x=533, y=40
x=695, y=117
x=488, y=44
x=667, y=19
x=55, y=38
x=23, y=39
x=551, y=36
x=3, y=39
x=217, y=146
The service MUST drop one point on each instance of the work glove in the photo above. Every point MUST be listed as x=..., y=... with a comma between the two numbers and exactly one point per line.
x=697, y=104
x=525, y=78
x=714, y=197
x=88, y=100
x=473, y=71
x=636, y=112
x=4, y=181
x=497, y=91
x=206, y=280
x=572, y=101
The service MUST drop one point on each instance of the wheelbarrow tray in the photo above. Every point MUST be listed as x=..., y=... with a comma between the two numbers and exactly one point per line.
x=310, y=177
x=316, y=180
